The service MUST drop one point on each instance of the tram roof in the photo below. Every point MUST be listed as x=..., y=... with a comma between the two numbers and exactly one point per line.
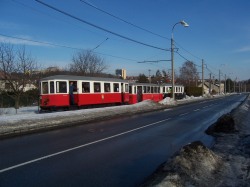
x=143, y=84
x=75, y=78
x=152, y=84
x=169, y=84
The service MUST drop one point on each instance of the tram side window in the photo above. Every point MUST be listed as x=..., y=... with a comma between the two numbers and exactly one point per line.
x=152, y=89
x=97, y=87
x=61, y=87
x=148, y=89
x=51, y=87
x=107, y=87
x=155, y=90
x=163, y=89
x=85, y=87
x=126, y=87
x=45, y=87
x=130, y=89
x=116, y=87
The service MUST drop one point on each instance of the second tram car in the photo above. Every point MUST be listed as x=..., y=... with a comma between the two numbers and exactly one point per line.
x=143, y=91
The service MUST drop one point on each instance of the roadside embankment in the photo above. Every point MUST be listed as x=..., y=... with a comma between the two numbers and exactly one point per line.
x=227, y=163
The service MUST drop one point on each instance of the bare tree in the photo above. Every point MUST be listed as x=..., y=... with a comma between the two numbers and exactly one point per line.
x=142, y=78
x=166, y=77
x=87, y=63
x=188, y=73
x=16, y=69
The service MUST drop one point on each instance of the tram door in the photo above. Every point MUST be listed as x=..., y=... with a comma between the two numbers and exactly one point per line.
x=139, y=93
x=73, y=93
x=122, y=93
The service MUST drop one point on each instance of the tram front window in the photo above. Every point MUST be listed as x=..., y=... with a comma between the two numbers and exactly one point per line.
x=45, y=88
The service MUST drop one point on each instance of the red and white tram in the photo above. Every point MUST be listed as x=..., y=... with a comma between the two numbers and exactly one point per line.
x=54, y=91
x=89, y=91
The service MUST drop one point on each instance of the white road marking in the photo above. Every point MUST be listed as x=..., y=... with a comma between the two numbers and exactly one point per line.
x=78, y=147
x=205, y=106
x=183, y=114
x=197, y=109
x=167, y=109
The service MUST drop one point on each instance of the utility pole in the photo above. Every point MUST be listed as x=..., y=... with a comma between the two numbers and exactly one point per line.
x=202, y=77
x=225, y=84
x=149, y=78
x=219, y=81
x=234, y=84
x=210, y=83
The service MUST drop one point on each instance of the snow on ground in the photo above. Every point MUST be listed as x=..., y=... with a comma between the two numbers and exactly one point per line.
x=28, y=118
x=227, y=163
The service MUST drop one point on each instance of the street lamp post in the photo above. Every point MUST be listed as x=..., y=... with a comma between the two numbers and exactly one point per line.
x=172, y=54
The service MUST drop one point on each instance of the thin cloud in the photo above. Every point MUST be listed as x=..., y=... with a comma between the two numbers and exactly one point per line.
x=243, y=49
x=26, y=41
x=8, y=25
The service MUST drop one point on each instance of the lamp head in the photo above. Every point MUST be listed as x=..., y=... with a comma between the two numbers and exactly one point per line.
x=184, y=23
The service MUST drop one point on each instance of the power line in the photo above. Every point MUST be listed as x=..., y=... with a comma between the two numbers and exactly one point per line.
x=40, y=42
x=64, y=46
x=188, y=51
x=155, y=61
x=136, y=26
x=98, y=27
x=211, y=71
x=100, y=44
x=50, y=16
x=25, y=5
x=114, y=16
x=182, y=56
x=187, y=59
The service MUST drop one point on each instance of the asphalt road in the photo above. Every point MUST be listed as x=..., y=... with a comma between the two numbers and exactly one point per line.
x=118, y=152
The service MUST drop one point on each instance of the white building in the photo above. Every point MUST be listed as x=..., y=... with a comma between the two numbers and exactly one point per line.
x=213, y=88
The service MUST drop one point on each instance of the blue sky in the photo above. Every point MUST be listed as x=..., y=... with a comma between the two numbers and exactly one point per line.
x=219, y=33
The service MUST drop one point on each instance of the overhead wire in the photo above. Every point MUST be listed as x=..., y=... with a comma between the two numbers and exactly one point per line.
x=187, y=59
x=99, y=44
x=124, y=37
x=107, y=38
x=64, y=46
x=155, y=61
x=98, y=27
x=188, y=51
x=43, y=13
x=127, y=22
x=40, y=42
x=57, y=45
x=123, y=20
